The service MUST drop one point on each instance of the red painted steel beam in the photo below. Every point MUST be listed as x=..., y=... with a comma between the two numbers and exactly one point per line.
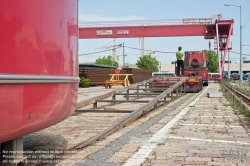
x=226, y=50
x=144, y=31
x=225, y=22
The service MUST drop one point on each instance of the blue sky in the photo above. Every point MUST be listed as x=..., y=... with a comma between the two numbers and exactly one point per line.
x=113, y=10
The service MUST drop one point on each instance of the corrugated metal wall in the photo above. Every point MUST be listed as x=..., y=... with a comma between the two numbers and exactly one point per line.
x=98, y=76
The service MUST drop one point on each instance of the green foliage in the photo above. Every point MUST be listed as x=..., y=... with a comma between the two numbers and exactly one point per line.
x=84, y=82
x=212, y=58
x=108, y=61
x=148, y=62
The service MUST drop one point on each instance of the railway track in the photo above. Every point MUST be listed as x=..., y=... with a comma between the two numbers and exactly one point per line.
x=240, y=96
x=186, y=130
x=102, y=115
x=158, y=98
x=189, y=131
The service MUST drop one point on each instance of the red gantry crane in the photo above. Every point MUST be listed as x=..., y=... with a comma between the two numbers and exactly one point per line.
x=215, y=28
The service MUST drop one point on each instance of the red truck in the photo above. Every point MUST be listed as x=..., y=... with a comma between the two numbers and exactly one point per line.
x=196, y=68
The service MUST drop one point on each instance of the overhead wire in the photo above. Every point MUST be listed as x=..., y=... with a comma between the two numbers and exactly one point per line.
x=246, y=23
x=148, y=50
x=246, y=37
x=126, y=47
x=239, y=53
x=108, y=43
x=98, y=51
x=144, y=50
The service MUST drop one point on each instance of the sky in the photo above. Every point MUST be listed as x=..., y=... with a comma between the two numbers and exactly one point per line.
x=124, y=10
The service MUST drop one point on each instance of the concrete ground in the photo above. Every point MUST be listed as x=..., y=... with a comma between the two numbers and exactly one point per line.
x=208, y=134
x=198, y=131
x=201, y=131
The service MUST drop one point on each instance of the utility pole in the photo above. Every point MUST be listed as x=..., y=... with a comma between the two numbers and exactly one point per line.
x=241, y=72
x=142, y=46
x=114, y=50
x=123, y=55
x=119, y=58
x=229, y=65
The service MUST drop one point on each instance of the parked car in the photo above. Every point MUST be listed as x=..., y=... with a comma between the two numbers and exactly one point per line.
x=245, y=77
x=235, y=76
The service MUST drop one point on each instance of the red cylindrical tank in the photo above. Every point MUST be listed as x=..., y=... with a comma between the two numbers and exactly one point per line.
x=38, y=64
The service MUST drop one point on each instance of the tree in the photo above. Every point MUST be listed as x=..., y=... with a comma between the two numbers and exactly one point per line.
x=108, y=61
x=148, y=62
x=212, y=58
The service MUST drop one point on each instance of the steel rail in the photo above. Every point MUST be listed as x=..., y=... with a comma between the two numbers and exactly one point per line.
x=138, y=93
x=147, y=89
x=120, y=90
x=127, y=101
x=103, y=111
x=135, y=114
x=245, y=99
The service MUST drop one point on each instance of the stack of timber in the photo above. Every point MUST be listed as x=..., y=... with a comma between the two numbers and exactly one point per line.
x=138, y=74
x=99, y=74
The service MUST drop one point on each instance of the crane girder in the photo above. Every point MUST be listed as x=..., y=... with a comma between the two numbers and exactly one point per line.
x=196, y=29
x=220, y=30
